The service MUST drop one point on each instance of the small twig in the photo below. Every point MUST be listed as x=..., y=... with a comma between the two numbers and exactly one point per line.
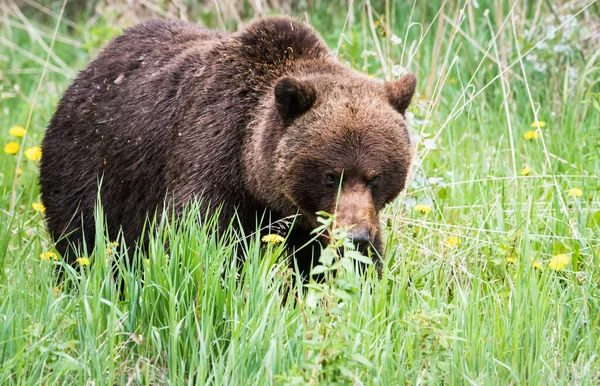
x=41, y=31
x=219, y=16
x=474, y=44
x=50, y=13
x=337, y=49
x=382, y=59
x=36, y=36
x=31, y=56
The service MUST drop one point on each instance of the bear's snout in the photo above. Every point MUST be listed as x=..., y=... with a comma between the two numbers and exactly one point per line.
x=360, y=235
x=356, y=212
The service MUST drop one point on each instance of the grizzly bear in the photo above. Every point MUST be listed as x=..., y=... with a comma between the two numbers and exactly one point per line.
x=263, y=123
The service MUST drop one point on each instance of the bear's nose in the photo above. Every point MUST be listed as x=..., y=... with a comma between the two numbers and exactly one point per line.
x=360, y=235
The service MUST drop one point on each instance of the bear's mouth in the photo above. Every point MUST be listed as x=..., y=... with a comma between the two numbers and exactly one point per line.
x=365, y=246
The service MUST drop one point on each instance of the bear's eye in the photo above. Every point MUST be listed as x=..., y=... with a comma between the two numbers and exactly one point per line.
x=375, y=181
x=331, y=179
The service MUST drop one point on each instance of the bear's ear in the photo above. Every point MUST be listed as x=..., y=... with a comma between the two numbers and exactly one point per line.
x=293, y=98
x=400, y=92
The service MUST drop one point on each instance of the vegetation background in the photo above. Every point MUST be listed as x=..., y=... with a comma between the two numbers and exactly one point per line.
x=492, y=273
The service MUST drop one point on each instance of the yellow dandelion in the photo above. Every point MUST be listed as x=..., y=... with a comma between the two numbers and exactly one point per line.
x=17, y=131
x=558, y=262
x=511, y=260
x=538, y=123
x=272, y=239
x=575, y=192
x=526, y=171
x=11, y=148
x=110, y=246
x=535, y=264
x=33, y=153
x=84, y=261
x=532, y=134
x=38, y=207
x=422, y=208
x=452, y=241
x=48, y=256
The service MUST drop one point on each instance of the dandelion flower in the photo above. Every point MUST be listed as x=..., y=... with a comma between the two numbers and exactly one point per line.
x=526, y=171
x=17, y=131
x=558, y=262
x=532, y=134
x=422, y=208
x=11, y=148
x=33, y=153
x=575, y=192
x=452, y=241
x=272, y=239
x=538, y=123
x=511, y=260
x=48, y=256
x=110, y=246
x=535, y=264
x=38, y=207
x=84, y=261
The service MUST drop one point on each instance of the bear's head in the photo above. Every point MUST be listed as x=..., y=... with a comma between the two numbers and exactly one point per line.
x=333, y=143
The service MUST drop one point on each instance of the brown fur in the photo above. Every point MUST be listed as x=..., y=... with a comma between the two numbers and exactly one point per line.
x=263, y=122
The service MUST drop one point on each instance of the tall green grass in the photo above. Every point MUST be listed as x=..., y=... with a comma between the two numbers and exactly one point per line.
x=468, y=293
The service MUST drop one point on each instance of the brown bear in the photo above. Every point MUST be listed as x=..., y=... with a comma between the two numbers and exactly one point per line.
x=263, y=123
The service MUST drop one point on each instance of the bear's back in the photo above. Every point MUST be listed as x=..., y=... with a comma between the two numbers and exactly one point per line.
x=112, y=126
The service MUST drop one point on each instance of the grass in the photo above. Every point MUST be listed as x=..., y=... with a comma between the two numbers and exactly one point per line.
x=469, y=293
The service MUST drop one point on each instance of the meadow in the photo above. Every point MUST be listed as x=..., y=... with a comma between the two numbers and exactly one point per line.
x=492, y=271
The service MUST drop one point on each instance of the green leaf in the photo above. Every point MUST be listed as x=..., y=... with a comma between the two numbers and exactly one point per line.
x=347, y=264
x=327, y=257
x=313, y=298
x=361, y=359
x=358, y=257
x=341, y=294
x=324, y=214
x=442, y=193
x=558, y=248
x=318, y=270
x=594, y=220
